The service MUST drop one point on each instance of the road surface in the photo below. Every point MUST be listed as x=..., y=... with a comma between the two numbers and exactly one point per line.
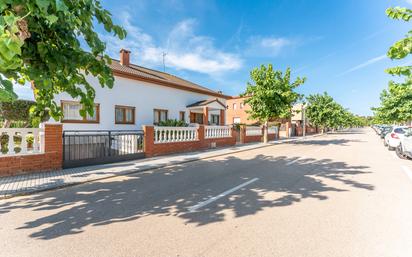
x=336, y=195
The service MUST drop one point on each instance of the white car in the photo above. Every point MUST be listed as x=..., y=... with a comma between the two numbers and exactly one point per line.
x=393, y=138
x=404, y=150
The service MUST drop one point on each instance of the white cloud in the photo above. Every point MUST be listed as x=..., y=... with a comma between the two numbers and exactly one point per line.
x=267, y=46
x=364, y=64
x=409, y=1
x=185, y=50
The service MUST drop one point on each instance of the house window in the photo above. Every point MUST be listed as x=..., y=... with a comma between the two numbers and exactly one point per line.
x=159, y=115
x=241, y=106
x=182, y=116
x=124, y=114
x=71, y=113
x=236, y=120
x=215, y=119
x=234, y=106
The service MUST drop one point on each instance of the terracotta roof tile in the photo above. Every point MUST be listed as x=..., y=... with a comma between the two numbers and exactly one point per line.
x=161, y=77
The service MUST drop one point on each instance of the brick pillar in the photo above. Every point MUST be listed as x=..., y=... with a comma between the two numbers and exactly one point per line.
x=206, y=115
x=299, y=128
x=277, y=132
x=263, y=133
x=222, y=117
x=53, y=144
x=148, y=141
x=288, y=126
x=234, y=134
x=201, y=137
x=242, y=132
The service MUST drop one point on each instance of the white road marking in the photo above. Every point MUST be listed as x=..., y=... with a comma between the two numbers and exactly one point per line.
x=214, y=198
x=292, y=162
x=407, y=171
x=303, y=157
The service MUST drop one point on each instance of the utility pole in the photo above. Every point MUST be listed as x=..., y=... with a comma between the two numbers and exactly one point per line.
x=164, y=66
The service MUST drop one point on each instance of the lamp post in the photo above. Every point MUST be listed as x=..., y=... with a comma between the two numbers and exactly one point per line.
x=304, y=120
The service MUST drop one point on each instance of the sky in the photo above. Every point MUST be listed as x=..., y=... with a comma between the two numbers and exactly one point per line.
x=338, y=45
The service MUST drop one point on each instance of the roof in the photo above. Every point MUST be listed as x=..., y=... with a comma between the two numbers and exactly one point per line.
x=161, y=78
x=205, y=102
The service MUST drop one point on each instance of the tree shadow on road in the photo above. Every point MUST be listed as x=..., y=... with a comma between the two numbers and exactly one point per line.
x=326, y=141
x=172, y=191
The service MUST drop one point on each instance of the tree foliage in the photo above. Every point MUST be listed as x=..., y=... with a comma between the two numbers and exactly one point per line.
x=271, y=94
x=396, y=100
x=17, y=112
x=324, y=112
x=396, y=104
x=403, y=47
x=40, y=43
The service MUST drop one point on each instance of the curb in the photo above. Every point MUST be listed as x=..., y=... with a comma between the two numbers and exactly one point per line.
x=156, y=167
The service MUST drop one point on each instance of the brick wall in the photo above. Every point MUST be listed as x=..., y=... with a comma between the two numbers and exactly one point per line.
x=238, y=112
x=51, y=159
x=244, y=139
x=151, y=149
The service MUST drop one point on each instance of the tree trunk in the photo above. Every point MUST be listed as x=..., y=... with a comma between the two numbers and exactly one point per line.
x=265, y=132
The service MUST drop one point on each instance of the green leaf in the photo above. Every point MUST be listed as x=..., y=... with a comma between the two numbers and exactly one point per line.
x=43, y=4
x=5, y=51
x=10, y=19
x=61, y=6
x=52, y=18
x=6, y=91
x=14, y=46
x=52, y=56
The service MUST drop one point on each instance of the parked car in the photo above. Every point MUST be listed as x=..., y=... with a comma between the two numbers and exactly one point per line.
x=384, y=132
x=404, y=149
x=380, y=128
x=392, y=139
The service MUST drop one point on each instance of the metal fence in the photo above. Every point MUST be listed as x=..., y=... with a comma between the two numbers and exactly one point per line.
x=87, y=147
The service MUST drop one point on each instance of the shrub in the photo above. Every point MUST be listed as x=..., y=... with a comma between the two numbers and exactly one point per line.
x=16, y=114
x=172, y=123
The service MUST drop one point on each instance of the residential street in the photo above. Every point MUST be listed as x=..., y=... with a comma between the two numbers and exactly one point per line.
x=341, y=194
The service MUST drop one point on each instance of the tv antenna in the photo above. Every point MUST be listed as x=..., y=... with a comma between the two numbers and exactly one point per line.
x=164, y=66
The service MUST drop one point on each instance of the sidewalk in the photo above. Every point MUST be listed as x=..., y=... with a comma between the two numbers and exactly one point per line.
x=37, y=182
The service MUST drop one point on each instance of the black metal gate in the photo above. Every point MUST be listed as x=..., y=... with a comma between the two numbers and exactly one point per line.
x=293, y=133
x=88, y=147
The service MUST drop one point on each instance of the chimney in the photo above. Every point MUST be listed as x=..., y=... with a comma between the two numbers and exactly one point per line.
x=124, y=57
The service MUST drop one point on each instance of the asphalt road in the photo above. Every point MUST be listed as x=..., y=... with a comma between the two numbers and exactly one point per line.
x=335, y=195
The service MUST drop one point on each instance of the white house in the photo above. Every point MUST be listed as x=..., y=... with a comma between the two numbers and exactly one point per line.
x=143, y=96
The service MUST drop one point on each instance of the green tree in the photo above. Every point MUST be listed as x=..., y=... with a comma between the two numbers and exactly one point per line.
x=318, y=110
x=271, y=94
x=396, y=104
x=40, y=43
x=324, y=112
x=403, y=47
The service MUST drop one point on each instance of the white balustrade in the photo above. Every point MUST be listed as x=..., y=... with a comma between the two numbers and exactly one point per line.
x=17, y=139
x=253, y=131
x=175, y=134
x=218, y=131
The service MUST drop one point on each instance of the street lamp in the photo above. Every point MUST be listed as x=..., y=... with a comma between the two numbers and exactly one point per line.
x=304, y=120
